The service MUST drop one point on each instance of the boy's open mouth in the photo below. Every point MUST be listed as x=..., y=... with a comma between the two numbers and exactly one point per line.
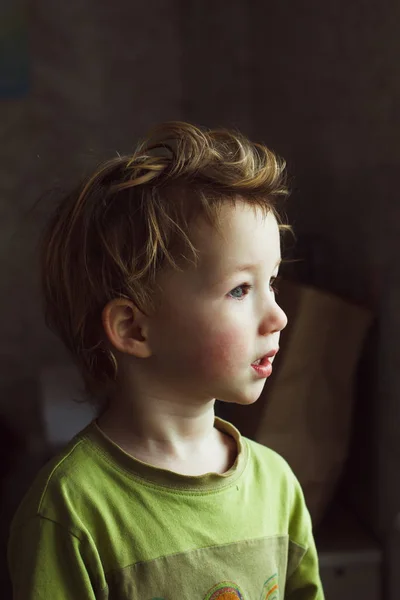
x=264, y=360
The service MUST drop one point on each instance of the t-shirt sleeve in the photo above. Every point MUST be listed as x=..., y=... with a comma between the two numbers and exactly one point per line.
x=48, y=561
x=303, y=582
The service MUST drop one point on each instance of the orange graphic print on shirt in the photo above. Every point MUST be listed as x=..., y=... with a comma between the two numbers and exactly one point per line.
x=270, y=589
x=224, y=591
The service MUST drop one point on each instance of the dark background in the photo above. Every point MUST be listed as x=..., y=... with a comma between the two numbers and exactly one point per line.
x=318, y=82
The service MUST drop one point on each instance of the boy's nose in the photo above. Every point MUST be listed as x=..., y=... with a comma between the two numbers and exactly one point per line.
x=275, y=319
x=281, y=318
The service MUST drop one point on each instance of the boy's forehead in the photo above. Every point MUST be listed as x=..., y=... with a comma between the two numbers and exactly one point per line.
x=244, y=235
x=240, y=240
x=234, y=221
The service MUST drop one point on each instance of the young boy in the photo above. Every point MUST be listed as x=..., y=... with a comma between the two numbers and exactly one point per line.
x=158, y=275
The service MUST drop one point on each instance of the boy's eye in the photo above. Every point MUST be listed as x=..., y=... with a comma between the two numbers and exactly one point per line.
x=244, y=288
x=241, y=291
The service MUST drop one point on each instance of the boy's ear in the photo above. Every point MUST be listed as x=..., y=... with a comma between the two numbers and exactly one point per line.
x=126, y=327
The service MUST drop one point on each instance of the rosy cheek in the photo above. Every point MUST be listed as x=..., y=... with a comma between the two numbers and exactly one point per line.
x=222, y=353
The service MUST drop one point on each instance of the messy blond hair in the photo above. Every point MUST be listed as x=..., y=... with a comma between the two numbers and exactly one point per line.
x=132, y=218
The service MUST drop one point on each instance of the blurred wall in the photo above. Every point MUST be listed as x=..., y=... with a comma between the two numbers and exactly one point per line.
x=316, y=81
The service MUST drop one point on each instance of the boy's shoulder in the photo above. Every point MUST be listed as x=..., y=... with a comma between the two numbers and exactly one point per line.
x=263, y=463
x=267, y=466
x=266, y=453
x=64, y=480
x=268, y=459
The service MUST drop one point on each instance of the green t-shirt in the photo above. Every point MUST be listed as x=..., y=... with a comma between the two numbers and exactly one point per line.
x=99, y=524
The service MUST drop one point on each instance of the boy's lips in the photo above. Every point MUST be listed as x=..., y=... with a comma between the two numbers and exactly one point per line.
x=265, y=358
x=264, y=367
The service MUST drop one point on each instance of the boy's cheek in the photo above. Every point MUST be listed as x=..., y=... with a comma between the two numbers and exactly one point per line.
x=222, y=353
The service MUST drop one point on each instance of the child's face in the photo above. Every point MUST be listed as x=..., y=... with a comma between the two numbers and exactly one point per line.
x=215, y=320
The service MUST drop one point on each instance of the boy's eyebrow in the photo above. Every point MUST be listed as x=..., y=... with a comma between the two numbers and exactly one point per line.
x=252, y=267
x=239, y=268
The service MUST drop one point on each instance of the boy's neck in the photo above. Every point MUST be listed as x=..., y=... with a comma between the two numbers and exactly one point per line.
x=180, y=439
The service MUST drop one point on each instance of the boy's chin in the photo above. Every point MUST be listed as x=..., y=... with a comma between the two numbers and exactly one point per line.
x=242, y=399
